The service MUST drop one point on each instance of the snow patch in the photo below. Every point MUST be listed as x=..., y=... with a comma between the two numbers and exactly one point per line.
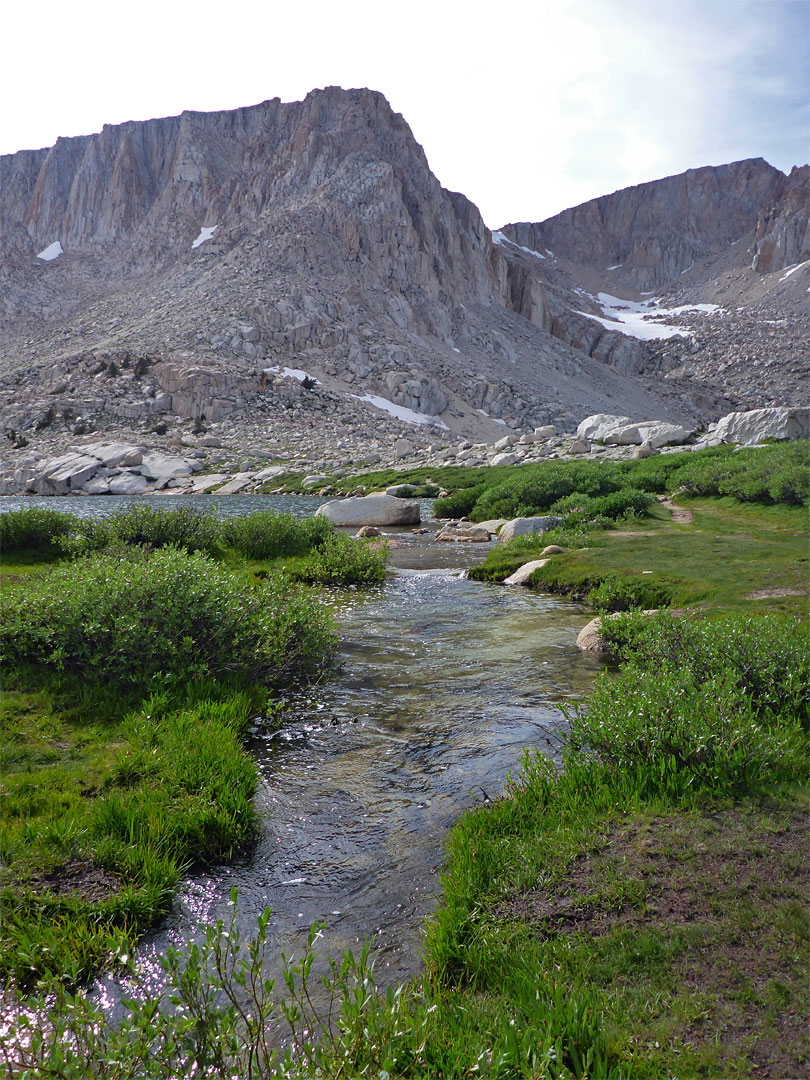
x=52, y=251
x=495, y=418
x=409, y=416
x=290, y=372
x=630, y=316
x=500, y=238
x=205, y=234
x=616, y=267
x=793, y=269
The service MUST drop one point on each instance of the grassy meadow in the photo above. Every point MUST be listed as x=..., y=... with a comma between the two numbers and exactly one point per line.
x=635, y=908
x=136, y=649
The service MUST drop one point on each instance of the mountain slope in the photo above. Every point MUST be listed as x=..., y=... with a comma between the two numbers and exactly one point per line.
x=180, y=267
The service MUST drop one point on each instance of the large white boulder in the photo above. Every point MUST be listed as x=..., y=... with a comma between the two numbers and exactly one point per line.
x=209, y=482
x=161, y=468
x=751, y=427
x=600, y=425
x=466, y=534
x=99, y=485
x=653, y=432
x=113, y=454
x=371, y=510
x=527, y=526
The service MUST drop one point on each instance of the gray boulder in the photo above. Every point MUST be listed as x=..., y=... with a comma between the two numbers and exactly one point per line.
x=98, y=485
x=523, y=573
x=202, y=484
x=465, y=534
x=270, y=473
x=69, y=472
x=370, y=510
x=161, y=468
x=112, y=454
x=128, y=483
x=589, y=639
x=316, y=480
x=527, y=526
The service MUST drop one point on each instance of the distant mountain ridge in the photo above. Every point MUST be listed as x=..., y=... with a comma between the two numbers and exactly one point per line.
x=654, y=231
x=313, y=236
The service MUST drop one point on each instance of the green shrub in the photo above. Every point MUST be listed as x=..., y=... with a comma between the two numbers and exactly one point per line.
x=136, y=615
x=768, y=656
x=676, y=730
x=267, y=534
x=718, y=703
x=617, y=593
x=580, y=509
x=343, y=560
x=183, y=526
x=460, y=503
x=535, y=490
x=33, y=527
x=777, y=473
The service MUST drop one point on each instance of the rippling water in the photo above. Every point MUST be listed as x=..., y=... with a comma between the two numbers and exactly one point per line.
x=441, y=683
x=224, y=506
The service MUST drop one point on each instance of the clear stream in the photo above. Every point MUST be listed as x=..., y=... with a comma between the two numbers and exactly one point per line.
x=439, y=685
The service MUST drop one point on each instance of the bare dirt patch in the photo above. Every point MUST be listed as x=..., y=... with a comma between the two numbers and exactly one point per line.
x=80, y=878
x=732, y=888
x=774, y=591
x=680, y=516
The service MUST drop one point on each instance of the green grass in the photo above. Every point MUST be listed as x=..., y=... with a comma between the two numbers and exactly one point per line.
x=774, y=474
x=638, y=875
x=129, y=676
x=637, y=913
x=105, y=802
x=730, y=550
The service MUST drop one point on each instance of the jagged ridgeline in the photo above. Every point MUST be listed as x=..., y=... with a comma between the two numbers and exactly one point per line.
x=208, y=255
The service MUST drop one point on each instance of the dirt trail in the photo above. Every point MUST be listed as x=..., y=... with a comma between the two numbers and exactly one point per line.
x=679, y=515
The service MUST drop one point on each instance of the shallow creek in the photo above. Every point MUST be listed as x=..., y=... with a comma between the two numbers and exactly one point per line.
x=440, y=683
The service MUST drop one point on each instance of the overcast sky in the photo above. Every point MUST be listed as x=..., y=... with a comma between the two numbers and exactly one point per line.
x=527, y=107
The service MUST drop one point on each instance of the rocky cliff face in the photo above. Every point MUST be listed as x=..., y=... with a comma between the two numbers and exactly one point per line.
x=783, y=228
x=655, y=231
x=337, y=171
x=713, y=237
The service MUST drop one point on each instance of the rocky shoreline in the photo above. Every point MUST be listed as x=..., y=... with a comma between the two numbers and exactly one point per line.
x=226, y=459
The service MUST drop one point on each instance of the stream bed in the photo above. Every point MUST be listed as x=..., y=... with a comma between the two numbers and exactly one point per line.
x=439, y=684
